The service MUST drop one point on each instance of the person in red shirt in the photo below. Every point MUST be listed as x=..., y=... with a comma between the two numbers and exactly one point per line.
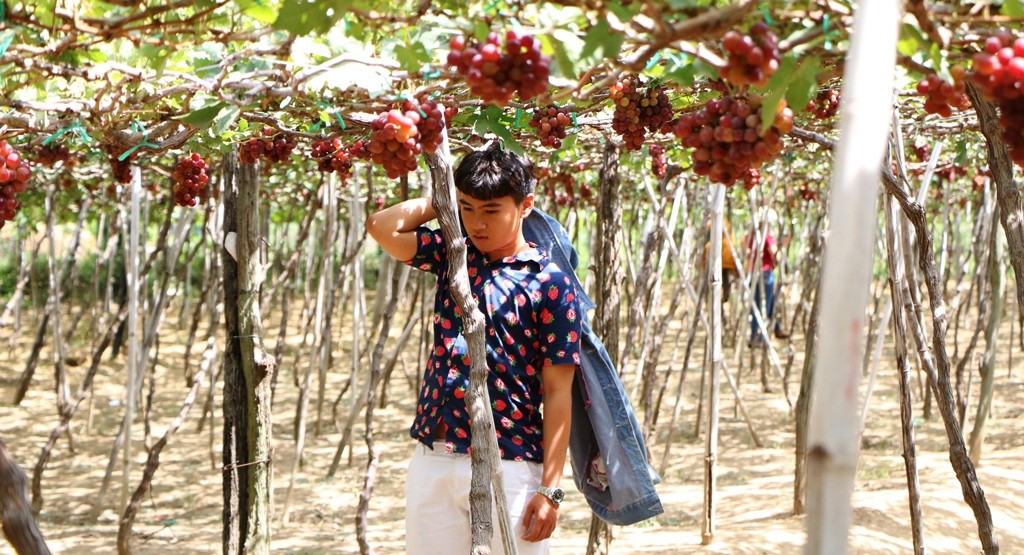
x=768, y=262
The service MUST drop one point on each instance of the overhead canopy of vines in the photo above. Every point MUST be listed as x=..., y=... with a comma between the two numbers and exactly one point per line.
x=91, y=87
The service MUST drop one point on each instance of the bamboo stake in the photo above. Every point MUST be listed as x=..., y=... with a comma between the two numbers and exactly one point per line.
x=866, y=110
x=715, y=361
x=134, y=375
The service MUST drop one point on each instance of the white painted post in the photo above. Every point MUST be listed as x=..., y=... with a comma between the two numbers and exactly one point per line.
x=833, y=427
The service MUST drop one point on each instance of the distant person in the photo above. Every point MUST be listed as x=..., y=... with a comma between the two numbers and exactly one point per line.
x=769, y=260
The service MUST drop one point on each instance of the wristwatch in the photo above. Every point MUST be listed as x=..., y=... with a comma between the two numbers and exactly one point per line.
x=556, y=495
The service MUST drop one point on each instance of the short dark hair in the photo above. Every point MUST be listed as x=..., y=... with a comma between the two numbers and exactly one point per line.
x=493, y=173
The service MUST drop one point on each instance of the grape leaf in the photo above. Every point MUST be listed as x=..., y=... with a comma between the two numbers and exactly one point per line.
x=601, y=37
x=776, y=89
x=302, y=17
x=492, y=120
x=624, y=13
x=804, y=84
x=226, y=119
x=1013, y=8
x=411, y=55
x=204, y=116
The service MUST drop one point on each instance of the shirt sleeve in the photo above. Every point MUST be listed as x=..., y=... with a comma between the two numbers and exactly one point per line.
x=430, y=251
x=559, y=324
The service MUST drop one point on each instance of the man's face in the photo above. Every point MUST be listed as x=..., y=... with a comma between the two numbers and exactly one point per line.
x=495, y=226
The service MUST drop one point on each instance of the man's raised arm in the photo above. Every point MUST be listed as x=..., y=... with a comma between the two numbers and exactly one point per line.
x=394, y=228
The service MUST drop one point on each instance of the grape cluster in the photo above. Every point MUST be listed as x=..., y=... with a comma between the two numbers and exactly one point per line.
x=550, y=124
x=727, y=138
x=941, y=96
x=921, y=151
x=751, y=178
x=430, y=124
x=639, y=110
x=272, y=145
x=332, y=156
x=999, y=74
x=51, y=154
x=394, y=141
x=494, y=73
x=825, y=105
x=190, y=180
x=122, y=169
x=752, y=58
x=659, y=161
x=14, y=176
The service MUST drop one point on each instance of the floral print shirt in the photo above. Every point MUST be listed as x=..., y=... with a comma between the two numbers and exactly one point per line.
x=532, y=321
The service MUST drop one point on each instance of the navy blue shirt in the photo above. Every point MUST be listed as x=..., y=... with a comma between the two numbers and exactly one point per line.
x=532, y=321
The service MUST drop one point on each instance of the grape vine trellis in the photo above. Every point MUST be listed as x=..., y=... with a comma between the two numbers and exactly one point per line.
x=145, y=82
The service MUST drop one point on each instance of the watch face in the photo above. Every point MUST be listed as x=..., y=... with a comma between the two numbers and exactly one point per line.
x=557, y=495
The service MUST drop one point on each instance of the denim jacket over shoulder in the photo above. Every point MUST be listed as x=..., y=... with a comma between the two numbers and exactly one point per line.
x=606, y=445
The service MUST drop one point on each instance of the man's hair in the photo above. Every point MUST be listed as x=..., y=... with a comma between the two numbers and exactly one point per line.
x=493, y=173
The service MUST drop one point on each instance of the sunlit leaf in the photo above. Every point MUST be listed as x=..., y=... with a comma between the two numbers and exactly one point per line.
x=226, y=119
x=804, y=84
x=625, y=13
x=411, y=56
x=204, y=116
x=493, y=120
x=776, y=90
x=303, y=17
x=1013, y=8
x=601, y=38
x=910, y=40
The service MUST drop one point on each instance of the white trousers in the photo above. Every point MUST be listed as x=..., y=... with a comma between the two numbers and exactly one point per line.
x=437, y=520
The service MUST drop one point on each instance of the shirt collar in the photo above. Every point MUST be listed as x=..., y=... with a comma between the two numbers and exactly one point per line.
x=533, y=254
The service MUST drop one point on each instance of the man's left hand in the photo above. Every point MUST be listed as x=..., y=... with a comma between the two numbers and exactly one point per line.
x=539, y=519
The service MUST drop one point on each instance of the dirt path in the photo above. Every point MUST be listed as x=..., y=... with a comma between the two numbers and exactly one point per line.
x=183, y=514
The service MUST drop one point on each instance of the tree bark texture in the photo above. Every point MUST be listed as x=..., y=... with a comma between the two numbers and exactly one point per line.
x=16, y=519
x=487, y=471
x=248, y=370
x=1011, y=212
x=973, y=494
x=607, y=268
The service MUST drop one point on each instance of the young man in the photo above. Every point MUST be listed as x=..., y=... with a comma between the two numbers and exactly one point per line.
x=533, y=329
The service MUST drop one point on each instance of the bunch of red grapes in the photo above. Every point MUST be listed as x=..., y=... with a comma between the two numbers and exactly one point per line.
x=751, y=178
x=826, y=104
x=394, y=141
x=999, y=74
x=550, y=124
x=496, y=74
x=14, y=176
x=941, y=96
x=430, y=123
x=272, y=145
x=638, y=110
x=727, y=138
x=921, y=151
x=659, y=160
x=51, y=154
x=190, y=180
x=122, y=169
x=752, y=58
x=332, y=156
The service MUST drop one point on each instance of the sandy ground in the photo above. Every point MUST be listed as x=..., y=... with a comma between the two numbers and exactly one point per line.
x=182, y=514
